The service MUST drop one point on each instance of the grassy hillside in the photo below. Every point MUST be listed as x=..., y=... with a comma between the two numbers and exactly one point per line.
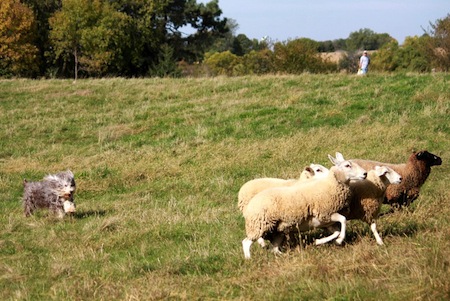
x=159, y=162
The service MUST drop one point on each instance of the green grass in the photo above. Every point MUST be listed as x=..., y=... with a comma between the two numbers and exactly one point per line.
x=159, y=162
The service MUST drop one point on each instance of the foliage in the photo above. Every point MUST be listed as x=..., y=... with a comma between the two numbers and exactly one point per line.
x=43, y=10
x=166, y=66
x=126, y=37
x=327, y=46
x=204, y=18
x=298, y=56
x=18, y=55
x=259, y=62
x=155, y=23
x=440, y=44
x=225, y=41
x=385, y=59
x=90, y=34
x=350, y=62
x=159, y=162
x=414, y=55
x=222, y=63
x=366, y=39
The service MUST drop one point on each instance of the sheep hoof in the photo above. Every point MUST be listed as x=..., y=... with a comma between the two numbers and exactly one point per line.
x=261, y=242
x=276, y=251
x=339, y=241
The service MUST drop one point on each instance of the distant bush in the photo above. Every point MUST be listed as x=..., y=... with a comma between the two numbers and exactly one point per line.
x=223, y=63
x=259, y=62
x=385, y=59
x=298, y=56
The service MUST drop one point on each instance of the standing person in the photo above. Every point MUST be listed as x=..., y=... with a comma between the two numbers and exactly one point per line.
x=364, y=62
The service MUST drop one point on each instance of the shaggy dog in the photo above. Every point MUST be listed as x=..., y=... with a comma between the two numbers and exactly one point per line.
x=54, y=192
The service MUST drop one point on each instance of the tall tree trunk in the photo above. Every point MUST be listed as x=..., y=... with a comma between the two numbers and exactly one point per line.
x=75, y=54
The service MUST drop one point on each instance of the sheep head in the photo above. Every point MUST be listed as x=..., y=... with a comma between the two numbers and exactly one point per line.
x=351, y=170
x=391, y=175
x=319, y=171
x=429, y=158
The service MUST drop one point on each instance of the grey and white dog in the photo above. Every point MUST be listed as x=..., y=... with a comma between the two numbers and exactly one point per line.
x=54, y=192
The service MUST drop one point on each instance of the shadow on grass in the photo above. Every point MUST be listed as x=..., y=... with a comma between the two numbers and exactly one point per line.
x=89, y=213
x=354, y=232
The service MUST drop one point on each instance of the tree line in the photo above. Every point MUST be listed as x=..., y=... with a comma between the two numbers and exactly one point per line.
x=133, y=38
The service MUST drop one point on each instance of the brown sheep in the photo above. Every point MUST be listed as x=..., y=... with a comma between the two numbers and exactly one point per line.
x=414, y=173
x=367, y=197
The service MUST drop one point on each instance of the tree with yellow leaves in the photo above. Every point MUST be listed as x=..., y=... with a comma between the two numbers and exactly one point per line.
x=18, y=55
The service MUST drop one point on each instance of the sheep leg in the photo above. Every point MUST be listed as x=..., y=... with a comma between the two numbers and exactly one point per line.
x=321, y=241
x=336, y=217
x=262, y=242
x=373, y=227
x=276, y=243
x=338, y=235
x=246, y=243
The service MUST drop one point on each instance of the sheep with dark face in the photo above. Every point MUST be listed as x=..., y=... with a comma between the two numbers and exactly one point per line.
x=414, y=174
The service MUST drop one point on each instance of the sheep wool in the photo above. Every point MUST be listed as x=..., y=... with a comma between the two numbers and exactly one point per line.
x=367, y=197
x=282, y=208
x=414, y=173
x=253, y=187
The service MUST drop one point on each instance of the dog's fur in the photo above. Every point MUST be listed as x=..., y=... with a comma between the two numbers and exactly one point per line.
x=53, y=193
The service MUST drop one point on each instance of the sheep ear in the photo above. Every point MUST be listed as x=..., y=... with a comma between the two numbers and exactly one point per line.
x=333, y=160
x=381, y=170
x=419, y=155
x=310, y=170
x=340, y=157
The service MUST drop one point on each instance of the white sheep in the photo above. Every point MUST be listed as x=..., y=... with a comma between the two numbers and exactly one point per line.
x=253, y=187
x=368, y=195
x=307, y=205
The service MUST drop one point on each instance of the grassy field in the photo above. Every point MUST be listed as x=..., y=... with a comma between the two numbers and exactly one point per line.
x=159, y=162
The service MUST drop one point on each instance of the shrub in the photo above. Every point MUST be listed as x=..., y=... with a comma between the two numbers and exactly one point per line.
x=222, y=63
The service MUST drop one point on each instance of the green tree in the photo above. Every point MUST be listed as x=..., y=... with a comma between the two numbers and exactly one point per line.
x=385, y=59
x=226, y=40
x=440, y=43
x=366, y=39
x=18, y=54
x=259, y=62
x=203, y=18
x=42, y=10
x=105, y=41
x=90, y=35
x=326, y=46
x=297, y=56
x=66, y=31
x=166, y=65
x=159, y=22
x=222, y=63
x=413, y=55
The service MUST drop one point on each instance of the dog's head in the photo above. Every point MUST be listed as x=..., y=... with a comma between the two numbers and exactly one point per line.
x=63, y=184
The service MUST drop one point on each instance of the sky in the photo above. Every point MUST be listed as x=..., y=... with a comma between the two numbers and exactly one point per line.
x=322, y=20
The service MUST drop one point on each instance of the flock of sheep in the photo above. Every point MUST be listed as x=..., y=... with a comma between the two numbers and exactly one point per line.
x=327, y=198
